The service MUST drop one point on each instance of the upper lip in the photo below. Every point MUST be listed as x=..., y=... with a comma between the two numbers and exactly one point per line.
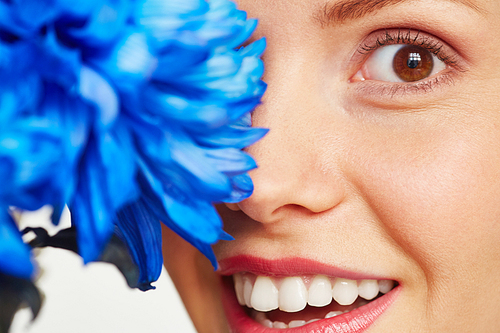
x=290, y=266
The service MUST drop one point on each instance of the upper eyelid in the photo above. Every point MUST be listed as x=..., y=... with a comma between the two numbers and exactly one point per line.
x=401, y=38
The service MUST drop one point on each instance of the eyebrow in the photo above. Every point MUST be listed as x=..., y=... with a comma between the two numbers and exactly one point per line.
x=345, y=10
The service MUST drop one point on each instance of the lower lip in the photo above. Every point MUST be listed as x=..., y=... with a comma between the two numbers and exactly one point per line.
x=356, y=321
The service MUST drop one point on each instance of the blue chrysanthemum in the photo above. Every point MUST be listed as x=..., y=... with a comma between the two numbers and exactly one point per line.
x=129, y=112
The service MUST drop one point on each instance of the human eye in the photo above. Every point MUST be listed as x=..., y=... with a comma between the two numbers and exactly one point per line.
x=401, y=63
x=405, y=60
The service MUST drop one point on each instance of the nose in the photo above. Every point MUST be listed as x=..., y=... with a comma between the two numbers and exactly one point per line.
x=300, y=169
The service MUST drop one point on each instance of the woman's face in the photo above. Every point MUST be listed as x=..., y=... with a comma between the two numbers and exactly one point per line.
x=382, y=163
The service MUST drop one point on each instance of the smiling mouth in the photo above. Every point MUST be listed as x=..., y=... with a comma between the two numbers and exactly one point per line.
x=301, y=295
x=289, y=302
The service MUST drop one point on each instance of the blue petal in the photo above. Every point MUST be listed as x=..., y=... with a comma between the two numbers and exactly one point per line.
x=223, y=21
x=157, y=207
x=241, y=37
x=35, y=158
x=9, y=22
x=17, y=61
x=191, y=158
x=233, y=136
x=242, y=186
x=91, y=209
x=188, y=215
x=196, y=217
x=97, y=90
x=60, y=64
x=74, y=117
x=7, y=172
x=225, y=236
x=141, y=231
x=78, y=8
x=14, y=254
x=71, y=117
x=203, y=247
x=175, y=60
x=33, y=14
x=21, y=96
x=231, y=161
x=179, y=163
x=129, y=63
x=220, y=65
x=105, y=24
x=193, y=114
x=172, y=20
x=119, y=177
x=178, y=8
x=255, y=49
x=93, y=229
x=241, y=85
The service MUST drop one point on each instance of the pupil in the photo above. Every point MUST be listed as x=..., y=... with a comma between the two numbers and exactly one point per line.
x=414, y=60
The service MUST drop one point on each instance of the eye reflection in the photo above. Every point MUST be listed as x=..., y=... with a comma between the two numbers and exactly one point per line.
x=400, y=63
x=413, y=63
x=414, y=60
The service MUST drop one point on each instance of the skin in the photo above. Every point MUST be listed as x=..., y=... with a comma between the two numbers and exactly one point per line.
x=404, y=185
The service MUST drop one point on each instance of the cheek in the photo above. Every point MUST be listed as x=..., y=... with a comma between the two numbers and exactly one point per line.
x=196, y=282
x=437, y=193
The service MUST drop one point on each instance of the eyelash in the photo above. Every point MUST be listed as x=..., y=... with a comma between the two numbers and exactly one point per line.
x=409, y=37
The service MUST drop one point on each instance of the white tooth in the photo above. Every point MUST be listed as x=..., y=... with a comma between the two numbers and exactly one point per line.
x=332, y=314
x=264, y=294
x=385, y=286
x=292, y=295
x=312, y=321
x=345, y=291
x=267, y=323
x=247, y=291
x=368, y=289
x=320, y=291
x=238, y=288
x=296, y=323
x=279, y=324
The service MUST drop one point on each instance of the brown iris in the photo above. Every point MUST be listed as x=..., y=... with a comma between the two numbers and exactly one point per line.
x=413, y=63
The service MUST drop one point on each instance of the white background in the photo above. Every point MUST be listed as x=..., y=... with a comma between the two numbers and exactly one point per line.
x=95, y=298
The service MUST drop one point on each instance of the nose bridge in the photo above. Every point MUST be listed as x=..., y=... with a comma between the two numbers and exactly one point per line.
x=297, y=163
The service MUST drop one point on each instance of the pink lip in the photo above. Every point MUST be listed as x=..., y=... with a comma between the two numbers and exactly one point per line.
x=356, y=321
x=287, y=267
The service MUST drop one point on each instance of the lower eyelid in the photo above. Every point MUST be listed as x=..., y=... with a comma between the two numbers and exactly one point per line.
x=394, y=94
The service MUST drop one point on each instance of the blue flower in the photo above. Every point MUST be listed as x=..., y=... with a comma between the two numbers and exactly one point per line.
x=131, y=113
